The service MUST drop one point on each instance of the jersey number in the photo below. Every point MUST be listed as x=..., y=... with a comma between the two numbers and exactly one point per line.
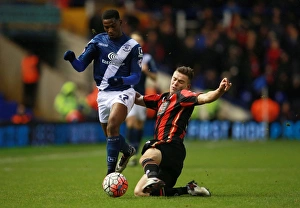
x=124, y=97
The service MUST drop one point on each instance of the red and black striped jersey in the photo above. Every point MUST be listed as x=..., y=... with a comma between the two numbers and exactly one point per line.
x=173, y=113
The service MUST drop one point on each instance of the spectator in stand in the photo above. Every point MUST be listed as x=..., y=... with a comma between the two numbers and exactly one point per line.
x=95, y=23
x=283, y=79
x=253, y=52
x=62, y=3
x=30, y=69
x=293, y=95
x=91, y=101
x=131, y=23
x=273, y=55
x=67, y=103
x=189, y=56
x=154, y=47
x=291, y=45
x=22, y=116
x=277, y=26
x=206, y=18
x=168, y=39
x=286, y=113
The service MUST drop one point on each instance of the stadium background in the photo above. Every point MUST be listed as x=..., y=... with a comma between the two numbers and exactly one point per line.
x=254, y=43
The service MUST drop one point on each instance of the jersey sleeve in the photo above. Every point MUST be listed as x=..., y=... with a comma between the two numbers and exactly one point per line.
x=188, y=98
x=151, y=101
x=89, y=53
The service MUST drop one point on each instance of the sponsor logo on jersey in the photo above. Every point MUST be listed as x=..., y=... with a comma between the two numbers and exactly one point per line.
x=114, y=60
x=163, y=108
x=111, y=55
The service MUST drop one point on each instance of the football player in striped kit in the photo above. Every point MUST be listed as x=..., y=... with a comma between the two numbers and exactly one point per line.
x=163, y=157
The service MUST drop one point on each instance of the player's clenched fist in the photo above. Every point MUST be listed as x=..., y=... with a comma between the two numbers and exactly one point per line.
x=115, y=81
x=69, y=56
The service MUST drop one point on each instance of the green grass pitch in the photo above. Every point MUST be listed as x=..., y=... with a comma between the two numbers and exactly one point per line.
x=238, y=173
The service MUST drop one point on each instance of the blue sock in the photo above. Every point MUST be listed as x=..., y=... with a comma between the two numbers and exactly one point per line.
x=139, y=136
x=135, y=137
x=124, y=146
x=113, y=147
x=131, y=136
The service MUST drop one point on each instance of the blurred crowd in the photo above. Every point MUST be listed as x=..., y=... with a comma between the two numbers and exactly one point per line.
x=255, y=44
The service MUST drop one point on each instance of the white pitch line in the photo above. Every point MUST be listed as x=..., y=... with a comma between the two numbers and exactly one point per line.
x=56, y=156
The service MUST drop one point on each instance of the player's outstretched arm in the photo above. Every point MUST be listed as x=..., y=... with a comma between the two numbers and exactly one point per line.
x=77, y=64
x=213, y=95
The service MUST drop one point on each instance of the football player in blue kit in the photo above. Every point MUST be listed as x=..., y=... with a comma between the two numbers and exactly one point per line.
x=117, y=62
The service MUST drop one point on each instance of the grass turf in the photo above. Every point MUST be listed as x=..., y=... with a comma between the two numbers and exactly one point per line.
x=239, y=174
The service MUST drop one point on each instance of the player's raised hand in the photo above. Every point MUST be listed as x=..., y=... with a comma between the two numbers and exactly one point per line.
x=225, y=85
x=69, y=56
x=115, y=81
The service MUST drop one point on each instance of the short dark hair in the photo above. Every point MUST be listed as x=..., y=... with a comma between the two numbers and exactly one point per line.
x=110, y=14
x=188, y=71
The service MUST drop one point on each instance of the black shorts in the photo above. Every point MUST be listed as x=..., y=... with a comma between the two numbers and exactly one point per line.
x=173, y=155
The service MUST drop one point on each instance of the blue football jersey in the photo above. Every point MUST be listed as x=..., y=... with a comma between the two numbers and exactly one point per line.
x=119, y=57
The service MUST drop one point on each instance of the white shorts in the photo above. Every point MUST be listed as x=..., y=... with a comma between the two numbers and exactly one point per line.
x=140, y=112
x=106, y=99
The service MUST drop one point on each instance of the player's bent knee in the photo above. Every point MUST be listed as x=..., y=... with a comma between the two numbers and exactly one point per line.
x=151, y=153
x=137, y=192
